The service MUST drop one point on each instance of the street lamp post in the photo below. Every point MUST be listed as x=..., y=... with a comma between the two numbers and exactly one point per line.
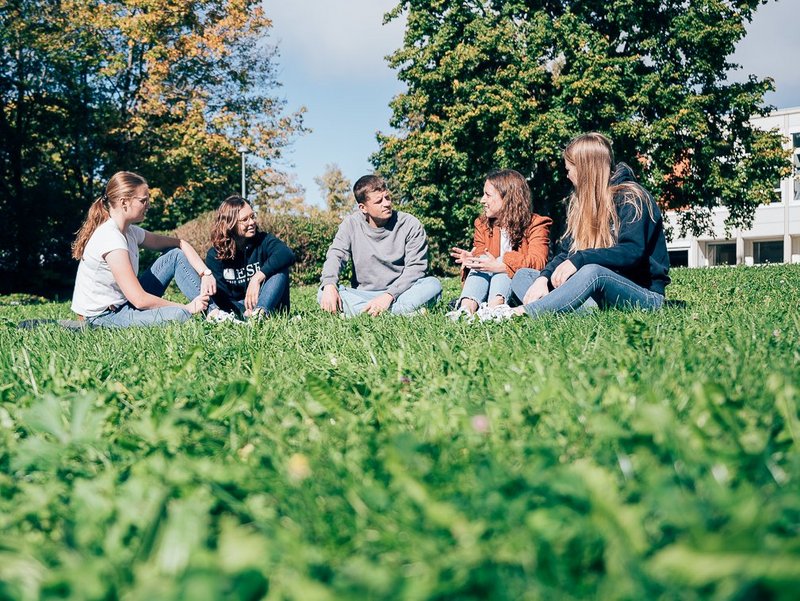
x=243, y=151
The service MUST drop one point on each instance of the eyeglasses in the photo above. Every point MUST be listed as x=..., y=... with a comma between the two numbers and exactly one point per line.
x=248, y=219
x=145, y=200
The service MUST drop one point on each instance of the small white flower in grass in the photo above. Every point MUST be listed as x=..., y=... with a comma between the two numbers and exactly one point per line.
x=721, y=473
x=246, y=451
x=776, y=333
x=298, y=468
x=625, y=465
x=480, y=423
x=334, y=361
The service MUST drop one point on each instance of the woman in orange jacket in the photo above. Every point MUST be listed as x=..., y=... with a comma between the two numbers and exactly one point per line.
x=508, y=236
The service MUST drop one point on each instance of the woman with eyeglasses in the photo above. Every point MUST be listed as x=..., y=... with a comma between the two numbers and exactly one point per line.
x=108, y=292
x=251, y=267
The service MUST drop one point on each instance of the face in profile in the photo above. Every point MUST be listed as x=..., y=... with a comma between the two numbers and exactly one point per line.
x=572, y=174
x=492, y=201
x=139, y=203
x=377, y=206
x=246, y=222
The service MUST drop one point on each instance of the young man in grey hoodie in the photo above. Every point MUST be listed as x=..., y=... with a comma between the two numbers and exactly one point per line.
x=389, y=250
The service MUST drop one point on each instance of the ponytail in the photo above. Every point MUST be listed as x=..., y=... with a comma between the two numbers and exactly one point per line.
x=122, y=184
x=98, y=214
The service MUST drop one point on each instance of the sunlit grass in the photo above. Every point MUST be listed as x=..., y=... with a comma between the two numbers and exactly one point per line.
x=612, y=455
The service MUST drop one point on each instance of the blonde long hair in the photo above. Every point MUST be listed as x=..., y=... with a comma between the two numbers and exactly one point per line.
x=592, y=218
x=122, y=184
x=517, y=211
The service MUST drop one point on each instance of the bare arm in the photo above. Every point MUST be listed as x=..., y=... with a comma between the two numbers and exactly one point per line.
x=208, y=284
x=120, y=264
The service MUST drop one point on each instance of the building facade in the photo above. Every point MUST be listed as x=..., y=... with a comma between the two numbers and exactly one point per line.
x=775, y=234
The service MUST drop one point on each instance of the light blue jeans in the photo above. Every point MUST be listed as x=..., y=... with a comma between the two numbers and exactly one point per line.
x=425, y=291
x=274, y=294
x=482, y=286
x=173, y=264
x=604, y=287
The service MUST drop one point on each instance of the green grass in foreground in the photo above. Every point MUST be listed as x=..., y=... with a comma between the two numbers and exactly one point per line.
x=613, y=456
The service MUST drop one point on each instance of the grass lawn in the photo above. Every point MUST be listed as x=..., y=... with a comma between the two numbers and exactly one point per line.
x=616, y=455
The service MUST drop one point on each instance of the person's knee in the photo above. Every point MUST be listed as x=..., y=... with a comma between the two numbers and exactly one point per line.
x=592, y=270
x=434, y=285
x=175, y=253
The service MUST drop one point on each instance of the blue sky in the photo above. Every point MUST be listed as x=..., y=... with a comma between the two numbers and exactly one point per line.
x=332, y=62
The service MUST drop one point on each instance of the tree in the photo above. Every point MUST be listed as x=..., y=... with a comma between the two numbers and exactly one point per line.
x=336, y=189
x=507, y=83
x=168, y=89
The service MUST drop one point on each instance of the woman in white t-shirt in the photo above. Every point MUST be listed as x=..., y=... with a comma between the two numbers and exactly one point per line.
x=107, y=290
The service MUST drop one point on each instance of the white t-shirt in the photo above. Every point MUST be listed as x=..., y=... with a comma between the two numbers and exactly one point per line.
x=505, y=243
x=95, y=288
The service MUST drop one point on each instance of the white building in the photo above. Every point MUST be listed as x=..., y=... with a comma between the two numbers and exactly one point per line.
x=775, y=234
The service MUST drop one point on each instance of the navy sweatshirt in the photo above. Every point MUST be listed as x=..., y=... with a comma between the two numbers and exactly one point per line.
x=640, y=253
x=263, y=253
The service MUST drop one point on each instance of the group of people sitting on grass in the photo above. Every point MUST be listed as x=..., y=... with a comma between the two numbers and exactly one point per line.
x=613, y=254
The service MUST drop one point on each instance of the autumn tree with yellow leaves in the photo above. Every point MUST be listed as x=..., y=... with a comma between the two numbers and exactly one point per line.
x=167, y=88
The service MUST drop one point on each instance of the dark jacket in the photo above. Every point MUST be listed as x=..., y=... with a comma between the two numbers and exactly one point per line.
x=640, y=253
x=263, y=253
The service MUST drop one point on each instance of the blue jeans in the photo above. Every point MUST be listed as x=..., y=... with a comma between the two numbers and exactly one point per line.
x=590, y=283
x=424, y=291
x=172, y=264
x=481, y=286
x=273, y=296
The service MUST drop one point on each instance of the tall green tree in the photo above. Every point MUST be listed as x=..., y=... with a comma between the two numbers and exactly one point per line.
x=507, y=83
x=336, y=189
x=166, y=88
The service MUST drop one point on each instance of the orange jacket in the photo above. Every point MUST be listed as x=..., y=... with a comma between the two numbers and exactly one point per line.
x=532, y=251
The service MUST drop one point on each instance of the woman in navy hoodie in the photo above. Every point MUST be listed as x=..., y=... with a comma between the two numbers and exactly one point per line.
x=251, y=267
x=613, y=252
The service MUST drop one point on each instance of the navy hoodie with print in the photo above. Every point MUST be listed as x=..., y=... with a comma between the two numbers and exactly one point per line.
x=640, y=253
x=263, y=253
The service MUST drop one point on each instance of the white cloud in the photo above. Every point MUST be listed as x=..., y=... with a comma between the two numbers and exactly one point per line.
x=330, y=39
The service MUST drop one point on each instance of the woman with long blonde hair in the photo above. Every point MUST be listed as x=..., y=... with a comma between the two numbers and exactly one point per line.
x=108, y=290
x=614, y=250
x=251, y=266
x=508, y=236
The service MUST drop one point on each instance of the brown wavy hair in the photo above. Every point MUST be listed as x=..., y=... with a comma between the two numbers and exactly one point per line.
x=592, y=218
x=122, y=184
x=225, y=221
x=517, y=211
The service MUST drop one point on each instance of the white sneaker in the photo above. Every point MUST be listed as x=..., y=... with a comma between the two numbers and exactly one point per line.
x=459, y=314
x=485, y=312
x=498, y=313
x=257, y=314
x=503, y=311
x=220, y=316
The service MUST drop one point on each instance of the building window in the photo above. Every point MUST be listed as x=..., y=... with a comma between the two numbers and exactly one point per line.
x=678, y=258
x=722, y=254
x=768, y=252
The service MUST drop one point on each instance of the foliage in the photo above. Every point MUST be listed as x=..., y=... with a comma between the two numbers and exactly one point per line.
x=168, y=89
x=336, y=189
x=507, y=83
x=307, y=235
x=616, y=455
